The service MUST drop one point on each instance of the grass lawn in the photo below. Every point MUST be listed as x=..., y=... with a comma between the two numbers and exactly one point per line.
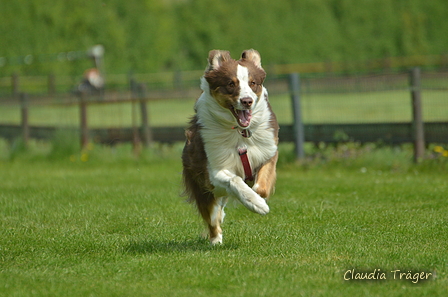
x=113, y=225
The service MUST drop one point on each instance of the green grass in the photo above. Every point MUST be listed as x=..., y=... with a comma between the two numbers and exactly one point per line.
x=115, y=225
x=390, y=106
x=368, y=107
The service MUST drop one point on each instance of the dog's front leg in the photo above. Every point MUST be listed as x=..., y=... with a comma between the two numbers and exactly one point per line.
x=235, y=186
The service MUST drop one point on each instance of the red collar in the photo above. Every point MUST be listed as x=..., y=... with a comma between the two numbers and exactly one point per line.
x=246, y=165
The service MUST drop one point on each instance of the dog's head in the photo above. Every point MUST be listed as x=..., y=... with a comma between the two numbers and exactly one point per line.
x=236, y=85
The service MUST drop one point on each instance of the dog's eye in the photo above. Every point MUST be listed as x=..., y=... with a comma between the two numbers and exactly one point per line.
x=252, y=83
x=231, y=84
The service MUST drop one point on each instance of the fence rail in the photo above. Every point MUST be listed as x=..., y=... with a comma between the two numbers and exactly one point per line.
x=387, y=133
x=414, y=130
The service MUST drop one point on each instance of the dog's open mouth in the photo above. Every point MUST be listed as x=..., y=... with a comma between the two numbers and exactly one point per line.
x=243, y=116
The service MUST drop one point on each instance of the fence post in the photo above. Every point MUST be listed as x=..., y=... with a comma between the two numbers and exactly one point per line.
x=417, y=115
x=177, y=79
x=146, y=131
x=51, y=84
x=299, y=136
x=24, y=118
x=15, y=84
x=136, y=143
x=83, y=120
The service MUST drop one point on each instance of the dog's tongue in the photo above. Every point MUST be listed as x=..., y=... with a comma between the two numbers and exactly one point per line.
x=244, y=117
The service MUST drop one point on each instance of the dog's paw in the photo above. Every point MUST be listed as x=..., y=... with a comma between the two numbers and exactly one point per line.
x=248, y=197
x=257, y=204
x=216, y=240
x=260, y=206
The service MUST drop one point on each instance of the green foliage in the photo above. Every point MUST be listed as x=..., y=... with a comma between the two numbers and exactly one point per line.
x=18, y=148
x=65, y=143
x=155, y=35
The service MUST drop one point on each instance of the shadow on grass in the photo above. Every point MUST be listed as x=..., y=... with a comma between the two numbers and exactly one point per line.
x=174, y=246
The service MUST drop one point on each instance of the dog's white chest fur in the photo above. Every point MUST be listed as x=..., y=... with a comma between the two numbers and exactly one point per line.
x=222, y=139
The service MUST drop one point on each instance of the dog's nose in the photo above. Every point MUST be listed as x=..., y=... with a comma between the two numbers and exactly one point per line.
x=247, y=102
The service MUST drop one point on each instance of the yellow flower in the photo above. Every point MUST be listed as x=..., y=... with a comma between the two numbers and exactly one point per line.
x=445, y=154
x=439, y=149
x=84, y=157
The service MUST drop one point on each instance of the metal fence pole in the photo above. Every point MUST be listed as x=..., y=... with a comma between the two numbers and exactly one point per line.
x=299, y=136
x=417, y=115
x=136, y=142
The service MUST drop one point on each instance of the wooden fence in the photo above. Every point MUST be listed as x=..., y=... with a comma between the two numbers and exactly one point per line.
x=415, y=131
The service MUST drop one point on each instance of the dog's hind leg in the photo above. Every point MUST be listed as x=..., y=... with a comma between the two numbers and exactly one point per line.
x=212, y=211
x=265, y=180
x=216, y=219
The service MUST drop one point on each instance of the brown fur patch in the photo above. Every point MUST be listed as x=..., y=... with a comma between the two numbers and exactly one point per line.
x=223, y=82
x=195, y=175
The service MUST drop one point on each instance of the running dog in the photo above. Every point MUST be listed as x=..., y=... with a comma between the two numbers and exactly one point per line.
x=231, y=143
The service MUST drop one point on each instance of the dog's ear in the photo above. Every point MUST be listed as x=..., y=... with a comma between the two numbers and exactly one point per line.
x=252, y=55
x=216, y=58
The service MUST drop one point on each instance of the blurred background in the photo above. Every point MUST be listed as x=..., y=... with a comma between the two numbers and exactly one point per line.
x=137, y=63
x=164, y=35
